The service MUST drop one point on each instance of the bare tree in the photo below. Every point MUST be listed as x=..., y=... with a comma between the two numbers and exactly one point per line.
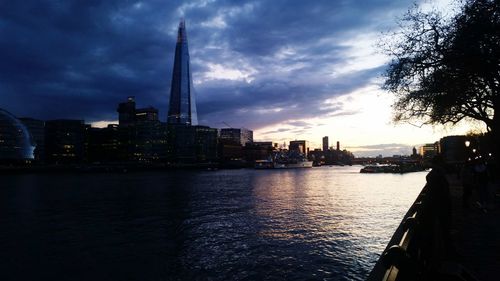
x=445, y=70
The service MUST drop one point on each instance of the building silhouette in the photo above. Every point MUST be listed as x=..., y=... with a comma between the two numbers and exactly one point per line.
x=240, y=136
x=141, y=135
x=325, y=143
x=64, y=141
x=182, y=107
x=429, y=150
x=300, y=146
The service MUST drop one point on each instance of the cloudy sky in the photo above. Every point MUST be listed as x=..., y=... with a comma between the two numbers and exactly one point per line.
x=285, y=69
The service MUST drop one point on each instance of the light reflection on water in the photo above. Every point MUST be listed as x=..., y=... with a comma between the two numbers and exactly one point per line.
x=321, y=223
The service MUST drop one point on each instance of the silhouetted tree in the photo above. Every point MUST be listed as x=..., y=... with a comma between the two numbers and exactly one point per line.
x=445, y=70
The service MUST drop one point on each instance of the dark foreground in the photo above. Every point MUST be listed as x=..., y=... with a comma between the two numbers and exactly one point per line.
x=476, y=233
x=424, y=248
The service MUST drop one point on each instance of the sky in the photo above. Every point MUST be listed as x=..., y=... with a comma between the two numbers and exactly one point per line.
x=285, y=69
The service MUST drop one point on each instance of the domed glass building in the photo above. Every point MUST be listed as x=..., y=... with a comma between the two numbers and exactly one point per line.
x=15, y=140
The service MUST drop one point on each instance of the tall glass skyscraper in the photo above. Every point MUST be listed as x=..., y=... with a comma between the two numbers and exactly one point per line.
x=182, y=109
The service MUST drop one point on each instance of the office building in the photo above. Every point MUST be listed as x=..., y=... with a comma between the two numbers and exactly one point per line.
x=325, y=143
x=64, y=141
x=103, y=144
x=182, y=107
x=146, y=114
x=141, y=135
x=429, y=150
x=126, y=112
x=241, y=136
x=300, y=146
x=191, y=144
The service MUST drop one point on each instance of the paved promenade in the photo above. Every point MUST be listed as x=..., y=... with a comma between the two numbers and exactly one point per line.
x=476, y=233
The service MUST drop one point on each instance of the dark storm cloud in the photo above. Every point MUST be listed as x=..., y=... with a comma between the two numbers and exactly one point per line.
x=255, y=63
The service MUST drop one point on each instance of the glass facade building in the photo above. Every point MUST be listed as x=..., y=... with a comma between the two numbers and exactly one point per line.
x=240, y=136
x=182, y=107
x=15, y=140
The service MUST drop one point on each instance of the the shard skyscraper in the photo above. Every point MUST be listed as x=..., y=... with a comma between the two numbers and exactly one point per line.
x=182, y=109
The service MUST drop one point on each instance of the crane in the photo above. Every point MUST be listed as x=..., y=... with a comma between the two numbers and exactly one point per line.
x=227, y=124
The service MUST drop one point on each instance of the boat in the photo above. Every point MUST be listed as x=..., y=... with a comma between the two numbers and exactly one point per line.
x=400, y=169
x=298, y=164
x=263, y=164
x=372, y=169
x=290, y=160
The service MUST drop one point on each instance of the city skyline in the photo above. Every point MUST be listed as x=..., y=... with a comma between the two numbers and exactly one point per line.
x=284, y=70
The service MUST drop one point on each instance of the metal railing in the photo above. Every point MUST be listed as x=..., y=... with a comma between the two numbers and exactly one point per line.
x=418, y=245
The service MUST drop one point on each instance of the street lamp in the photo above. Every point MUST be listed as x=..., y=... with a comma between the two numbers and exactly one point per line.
x=467, y=143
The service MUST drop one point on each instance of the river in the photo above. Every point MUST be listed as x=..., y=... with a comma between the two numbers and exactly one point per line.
x=326, y=223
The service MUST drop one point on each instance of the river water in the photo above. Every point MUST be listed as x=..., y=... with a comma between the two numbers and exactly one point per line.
x=326, y=223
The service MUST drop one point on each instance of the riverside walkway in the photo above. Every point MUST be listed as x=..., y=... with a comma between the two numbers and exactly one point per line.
x=417, y=250
x=475, y=233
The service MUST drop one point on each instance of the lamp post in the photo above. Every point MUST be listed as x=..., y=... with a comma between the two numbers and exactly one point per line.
x=467, y=151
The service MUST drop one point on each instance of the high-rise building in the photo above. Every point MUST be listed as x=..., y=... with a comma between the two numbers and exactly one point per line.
x=182, y=108
x=325, y=143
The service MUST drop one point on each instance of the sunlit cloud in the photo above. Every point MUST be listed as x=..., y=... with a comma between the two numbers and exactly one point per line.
x=103, y=123
x=219, y=71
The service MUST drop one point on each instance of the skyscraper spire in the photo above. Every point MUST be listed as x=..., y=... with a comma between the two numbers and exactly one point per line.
x=182, y=108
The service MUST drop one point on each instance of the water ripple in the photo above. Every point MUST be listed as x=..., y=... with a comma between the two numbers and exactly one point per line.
x=312, y=224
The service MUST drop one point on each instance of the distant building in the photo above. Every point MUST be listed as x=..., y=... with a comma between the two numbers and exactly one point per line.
x=103, y=144
x=241, y=136
x=16, y=144
x=126, y=112
x=261, y=150
x=265, y=144
x=37, y=131
x=182, y=107
x=301, y=146
x=141, y=135
x=191, y=144
x=325, y=143
x=338, y=146
x=429, y=150
x=146, y=114
x=64, y=141
x=205, y=144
